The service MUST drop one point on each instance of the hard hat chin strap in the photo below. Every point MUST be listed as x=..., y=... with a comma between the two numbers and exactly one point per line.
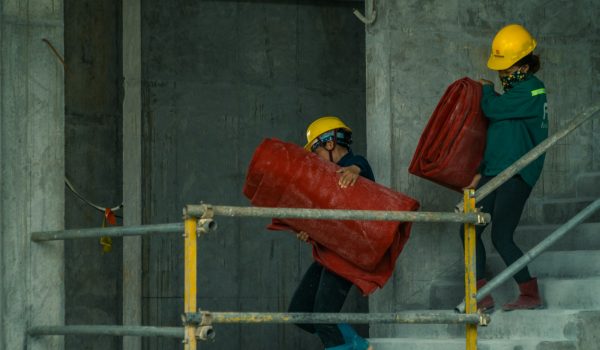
x=334, y=145
x=323, y=143
x=331, y=154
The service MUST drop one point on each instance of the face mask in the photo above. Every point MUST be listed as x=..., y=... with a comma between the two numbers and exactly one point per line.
x=507, y=81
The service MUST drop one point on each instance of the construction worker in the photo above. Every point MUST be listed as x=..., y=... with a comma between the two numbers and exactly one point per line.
x=518, y=121
x=322, y=290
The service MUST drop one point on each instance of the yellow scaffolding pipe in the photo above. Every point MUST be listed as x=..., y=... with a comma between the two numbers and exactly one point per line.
x=196, y=329
x=190, y=275
x=470, y=283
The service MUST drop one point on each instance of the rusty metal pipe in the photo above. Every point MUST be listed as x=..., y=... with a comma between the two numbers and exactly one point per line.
x=198, y=210
x=138, y=331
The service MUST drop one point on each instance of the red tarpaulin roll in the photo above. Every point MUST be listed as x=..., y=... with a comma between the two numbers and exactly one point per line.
x=452, y=144
x=287, y=176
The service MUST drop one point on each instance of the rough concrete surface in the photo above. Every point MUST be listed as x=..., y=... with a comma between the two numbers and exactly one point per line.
x=32, y=171
x=93, y=162
x=217, y=78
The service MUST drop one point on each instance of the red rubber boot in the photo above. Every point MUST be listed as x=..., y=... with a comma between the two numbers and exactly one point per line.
x=486, y=304
x=529, y=298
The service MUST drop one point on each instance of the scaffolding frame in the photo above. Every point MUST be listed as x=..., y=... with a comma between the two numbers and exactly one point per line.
x=198, y=324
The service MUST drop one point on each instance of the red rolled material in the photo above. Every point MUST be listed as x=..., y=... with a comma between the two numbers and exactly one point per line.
x=287, y=176
x=452, y=144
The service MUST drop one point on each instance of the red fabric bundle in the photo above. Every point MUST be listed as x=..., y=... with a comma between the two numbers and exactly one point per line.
x=285, y=175
x=452, y=144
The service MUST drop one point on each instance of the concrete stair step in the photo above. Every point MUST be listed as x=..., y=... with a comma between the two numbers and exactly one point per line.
x=559, y=210
x=586, y=236
x=557, y=293
x=459, y=344
x=573, y=264
x=548, y=324
x=587, y=184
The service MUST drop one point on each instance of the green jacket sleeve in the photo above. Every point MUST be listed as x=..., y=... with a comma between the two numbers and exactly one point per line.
x=516, y=103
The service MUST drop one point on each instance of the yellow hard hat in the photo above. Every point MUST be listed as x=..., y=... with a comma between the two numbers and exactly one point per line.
x=510, y=44
x=322, y=125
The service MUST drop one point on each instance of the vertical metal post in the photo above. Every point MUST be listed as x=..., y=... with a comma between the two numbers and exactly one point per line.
x=190, y=280
x=470, y=282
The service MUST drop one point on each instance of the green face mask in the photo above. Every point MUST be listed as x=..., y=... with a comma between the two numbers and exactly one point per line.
x=507, y=81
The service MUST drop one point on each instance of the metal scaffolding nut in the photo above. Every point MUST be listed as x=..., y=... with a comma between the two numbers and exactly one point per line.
x=206, y=226
x=484, y=319
x=205, y=333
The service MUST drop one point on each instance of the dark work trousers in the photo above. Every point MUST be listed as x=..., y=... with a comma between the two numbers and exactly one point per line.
x=505, y=205
x=321, y=291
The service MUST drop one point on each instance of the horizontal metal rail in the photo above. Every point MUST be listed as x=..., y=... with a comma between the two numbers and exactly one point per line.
x=534, y=252
x=198, y=210
x=530, y=156
x=115, y=231
x=408, y=317
x=120, y=331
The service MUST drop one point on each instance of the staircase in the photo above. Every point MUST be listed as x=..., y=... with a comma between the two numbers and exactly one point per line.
x=569, y=280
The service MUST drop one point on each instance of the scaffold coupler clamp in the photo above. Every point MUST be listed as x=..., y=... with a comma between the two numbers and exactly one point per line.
x=484, y=319
x=202, y=321
x=206, y=223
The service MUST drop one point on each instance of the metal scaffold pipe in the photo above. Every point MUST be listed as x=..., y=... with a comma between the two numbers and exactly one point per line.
x=116, y=231
x=198, y=210
x=408, y=317
x=139, y=331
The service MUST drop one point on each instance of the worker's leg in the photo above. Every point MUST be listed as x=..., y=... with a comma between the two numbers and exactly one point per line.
x=330, y=297
x=510, y=201
x=304, y=296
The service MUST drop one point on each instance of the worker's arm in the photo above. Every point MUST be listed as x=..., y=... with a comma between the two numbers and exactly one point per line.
x=516, y=103
x=349, y=175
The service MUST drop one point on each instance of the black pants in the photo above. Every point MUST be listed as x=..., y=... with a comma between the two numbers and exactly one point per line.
x=505, y=205
x=321, y=291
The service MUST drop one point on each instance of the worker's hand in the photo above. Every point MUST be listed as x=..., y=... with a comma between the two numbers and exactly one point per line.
x=349, y=175
x=303, y=236
x=485, y=82
x=474, y=182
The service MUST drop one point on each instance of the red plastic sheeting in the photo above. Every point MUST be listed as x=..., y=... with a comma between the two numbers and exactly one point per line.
x=285, y=175
x=452, y=144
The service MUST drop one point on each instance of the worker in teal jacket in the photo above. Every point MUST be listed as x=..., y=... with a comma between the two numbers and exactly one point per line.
x=518, y=121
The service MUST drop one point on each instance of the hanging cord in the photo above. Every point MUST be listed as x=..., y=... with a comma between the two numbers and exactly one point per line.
x=370, y=12
x=96, y=206
x=109, y=217
x=55, y=51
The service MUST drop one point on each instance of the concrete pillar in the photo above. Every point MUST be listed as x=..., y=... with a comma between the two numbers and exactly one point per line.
x=378, y=99
x=32, y=171
x=132, y=166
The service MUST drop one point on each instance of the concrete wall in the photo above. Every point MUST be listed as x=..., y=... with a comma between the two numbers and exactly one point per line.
x=217, y=78
x=414, y=51
x=32, y=171
x=93, y=163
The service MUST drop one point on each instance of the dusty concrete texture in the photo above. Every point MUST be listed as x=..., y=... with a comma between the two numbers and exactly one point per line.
x=217, y=78
x=93, y=162
x=414, y=51
x=132, y=168
x=32, y=171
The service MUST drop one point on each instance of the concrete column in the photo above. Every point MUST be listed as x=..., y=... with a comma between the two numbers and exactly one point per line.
x=132, y=166
x=378, y=98
x=32, y=171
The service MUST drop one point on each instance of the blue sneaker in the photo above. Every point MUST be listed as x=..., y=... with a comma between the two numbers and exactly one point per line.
x=341, y=347
x=352, y=338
